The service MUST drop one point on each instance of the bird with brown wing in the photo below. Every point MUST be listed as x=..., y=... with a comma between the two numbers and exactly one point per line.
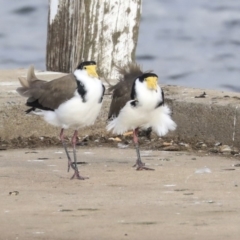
x=72, y=101
x=138, y=103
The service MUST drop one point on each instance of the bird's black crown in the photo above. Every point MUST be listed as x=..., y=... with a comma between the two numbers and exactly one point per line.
x=146, y=75
x=86, y=63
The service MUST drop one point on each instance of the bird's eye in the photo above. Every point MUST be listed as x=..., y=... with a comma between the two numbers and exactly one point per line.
x=85, y=68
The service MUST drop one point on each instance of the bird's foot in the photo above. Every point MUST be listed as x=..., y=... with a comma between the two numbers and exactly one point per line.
x=141, y=166
x=77, y=175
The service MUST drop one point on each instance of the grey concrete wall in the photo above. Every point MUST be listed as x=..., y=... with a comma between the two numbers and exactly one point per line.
x=215, y=118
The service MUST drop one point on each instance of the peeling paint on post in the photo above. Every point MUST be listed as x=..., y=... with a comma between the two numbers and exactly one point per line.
x=101, y=30
x=53, y=10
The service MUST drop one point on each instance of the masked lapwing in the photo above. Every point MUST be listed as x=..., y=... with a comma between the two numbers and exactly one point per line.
x=72, y=101
x=138, y=103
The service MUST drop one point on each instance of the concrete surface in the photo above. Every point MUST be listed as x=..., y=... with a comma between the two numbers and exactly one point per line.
x=186, y=197
x=214, y=118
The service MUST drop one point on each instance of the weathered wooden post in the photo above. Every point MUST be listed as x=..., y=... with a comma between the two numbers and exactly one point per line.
x=102, y=30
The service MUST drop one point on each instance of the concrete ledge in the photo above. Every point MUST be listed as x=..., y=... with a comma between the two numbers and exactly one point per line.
x=214, y=118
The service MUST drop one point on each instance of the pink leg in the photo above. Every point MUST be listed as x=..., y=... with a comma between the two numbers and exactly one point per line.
x=65, y=148
x=76, y=173
x=139, y=164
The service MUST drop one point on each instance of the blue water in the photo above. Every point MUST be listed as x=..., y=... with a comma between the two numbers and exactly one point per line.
x=23, y=33
x=194, y=43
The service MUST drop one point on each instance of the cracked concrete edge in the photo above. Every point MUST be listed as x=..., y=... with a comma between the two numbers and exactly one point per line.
x=214, y=118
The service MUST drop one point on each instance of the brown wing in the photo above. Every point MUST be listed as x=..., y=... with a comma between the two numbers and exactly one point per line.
x=46, y=95
x=122, y=90
x=52, y=94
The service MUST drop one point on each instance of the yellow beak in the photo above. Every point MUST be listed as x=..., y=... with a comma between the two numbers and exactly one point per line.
x=91, y=70
x=152, y=83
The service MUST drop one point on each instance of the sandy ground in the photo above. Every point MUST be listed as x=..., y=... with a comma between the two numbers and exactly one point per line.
x=188, y=196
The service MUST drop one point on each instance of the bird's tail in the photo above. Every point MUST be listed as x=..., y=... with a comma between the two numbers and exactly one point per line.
x=131, y=70
x=128, y=72
x=31, y=81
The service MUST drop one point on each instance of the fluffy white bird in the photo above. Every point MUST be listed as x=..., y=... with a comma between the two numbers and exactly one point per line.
x=73, y=101
x=138, y=102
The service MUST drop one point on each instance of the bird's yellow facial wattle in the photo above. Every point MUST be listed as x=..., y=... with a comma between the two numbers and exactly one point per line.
x=91, y=70
x=152, y=82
